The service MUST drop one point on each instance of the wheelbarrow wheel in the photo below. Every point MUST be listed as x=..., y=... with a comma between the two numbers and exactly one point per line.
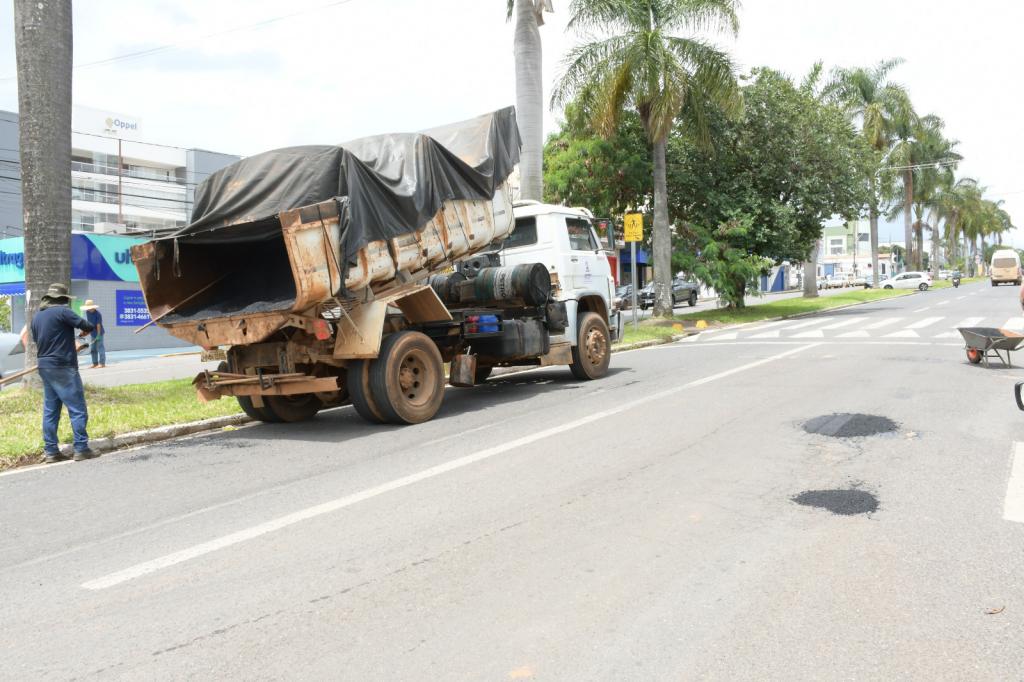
x=974, y=356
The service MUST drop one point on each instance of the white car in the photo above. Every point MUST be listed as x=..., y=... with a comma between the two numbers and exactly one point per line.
x=12, y=355
x=908, y=280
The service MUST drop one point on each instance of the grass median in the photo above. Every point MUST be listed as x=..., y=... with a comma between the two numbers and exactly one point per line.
x=112, y=411
x=662, y=328
x=948, y=284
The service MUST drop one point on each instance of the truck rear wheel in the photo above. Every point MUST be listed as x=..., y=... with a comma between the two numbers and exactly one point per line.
x=358, y=384
x=294, y=408
x=592, y=352
x=407, y=379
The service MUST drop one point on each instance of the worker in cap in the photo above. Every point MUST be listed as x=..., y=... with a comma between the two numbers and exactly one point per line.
x=96, y=348
x=53, y=330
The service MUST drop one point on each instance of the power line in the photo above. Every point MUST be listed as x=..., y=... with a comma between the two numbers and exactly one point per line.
x=171, y=46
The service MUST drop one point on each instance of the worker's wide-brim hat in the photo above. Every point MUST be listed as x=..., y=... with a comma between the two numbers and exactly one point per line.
x=89, y=305
x=56, y=292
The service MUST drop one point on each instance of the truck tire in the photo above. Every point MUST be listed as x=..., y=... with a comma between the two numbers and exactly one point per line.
x=592, y=352
x=407, y=379
x=294, y=408
x=693, y=299
x=358, y=384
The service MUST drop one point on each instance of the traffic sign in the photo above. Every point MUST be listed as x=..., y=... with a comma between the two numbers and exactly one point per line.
x=634, y=224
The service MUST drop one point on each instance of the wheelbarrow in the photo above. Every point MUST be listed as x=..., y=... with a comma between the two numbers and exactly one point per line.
x=982, y=343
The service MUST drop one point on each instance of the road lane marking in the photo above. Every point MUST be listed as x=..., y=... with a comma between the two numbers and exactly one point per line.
x=947, y=335
x=773, y=334
x=921, y=310
x=202, y=549
x=726, y=337
x=860, y=334
x=902, y=334
x=813, y=334
x=884, y=323
x=1013, y=506
x=926, y=322
x=969, y=322
x=960, y=298
x=1015, y=323
x=942, y=303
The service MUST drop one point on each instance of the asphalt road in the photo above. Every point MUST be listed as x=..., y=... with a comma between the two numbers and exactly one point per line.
x=639, y=527
x=712, y=303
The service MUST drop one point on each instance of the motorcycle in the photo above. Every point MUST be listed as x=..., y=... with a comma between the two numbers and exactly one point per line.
x=956, y=280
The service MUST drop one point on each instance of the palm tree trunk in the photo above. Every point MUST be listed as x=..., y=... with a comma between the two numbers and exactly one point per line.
x=529, y=100
x=908, y=199
x=42, y=37
x=935, y=252
x=873, y=220
x=918, y=245
x=811, y=272
x=662, y=238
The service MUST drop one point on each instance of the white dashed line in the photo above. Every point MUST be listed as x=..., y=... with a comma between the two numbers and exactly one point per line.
x=926, y=322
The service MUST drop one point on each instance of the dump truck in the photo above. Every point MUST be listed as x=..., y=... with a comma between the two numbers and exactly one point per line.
x=323, y=275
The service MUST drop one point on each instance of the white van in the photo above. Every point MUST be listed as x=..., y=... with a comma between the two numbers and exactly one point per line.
x=1005, y=267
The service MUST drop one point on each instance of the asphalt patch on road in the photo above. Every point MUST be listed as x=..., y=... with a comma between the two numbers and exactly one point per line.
x=846, y=425
x=848, y=502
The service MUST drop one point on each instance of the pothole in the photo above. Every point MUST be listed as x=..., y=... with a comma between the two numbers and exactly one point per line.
x=843, y=502
x=846, y=425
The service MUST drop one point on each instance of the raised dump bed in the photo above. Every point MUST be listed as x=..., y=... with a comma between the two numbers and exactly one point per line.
x=289, y=230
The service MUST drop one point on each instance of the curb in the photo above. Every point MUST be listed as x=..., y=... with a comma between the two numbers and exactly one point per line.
x=127, y=440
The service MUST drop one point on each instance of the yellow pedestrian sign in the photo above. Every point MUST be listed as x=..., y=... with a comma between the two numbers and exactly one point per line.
x=634, y=224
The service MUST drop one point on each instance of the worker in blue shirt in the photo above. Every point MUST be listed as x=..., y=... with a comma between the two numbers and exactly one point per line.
x=96, y=348
x=53, y=330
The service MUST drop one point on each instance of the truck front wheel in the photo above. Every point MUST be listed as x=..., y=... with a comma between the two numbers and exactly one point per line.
x=407, y=379
x=592, y=352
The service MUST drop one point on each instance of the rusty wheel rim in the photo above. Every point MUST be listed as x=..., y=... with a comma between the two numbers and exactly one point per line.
x=595, y=346
x=416, y=379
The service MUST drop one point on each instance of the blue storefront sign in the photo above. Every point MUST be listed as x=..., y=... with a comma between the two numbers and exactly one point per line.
x=93, y=256
x=130, y=308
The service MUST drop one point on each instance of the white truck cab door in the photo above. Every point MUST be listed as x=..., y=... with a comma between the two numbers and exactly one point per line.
x=583, y=255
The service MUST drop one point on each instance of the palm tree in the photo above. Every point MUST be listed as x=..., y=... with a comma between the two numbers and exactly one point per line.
x=905, y=123
x=870, y=99
x=641, y=63
x=530, y=93
x=42, y=38
x=930, y=161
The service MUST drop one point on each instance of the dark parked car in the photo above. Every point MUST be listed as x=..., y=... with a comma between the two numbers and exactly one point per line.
x=682, y=291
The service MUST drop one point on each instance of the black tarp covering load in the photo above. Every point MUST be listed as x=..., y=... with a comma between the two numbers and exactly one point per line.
x=394, y=183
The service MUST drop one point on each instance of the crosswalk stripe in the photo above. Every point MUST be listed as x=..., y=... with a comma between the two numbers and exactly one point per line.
x=883, y=323
x=813, y=334
x=948, y=335
x=726, y=337
x=773, y=334
x=903, y=334
x=761, y=327
x=859, y=334
x=807, y=324
x=842, y=323
x=1014, y=323
x=969, y=322
x=926, y=322
x=942, y=303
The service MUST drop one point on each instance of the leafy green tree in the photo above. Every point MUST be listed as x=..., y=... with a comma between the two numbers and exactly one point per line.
x=724, y=262
x=874, y=102
x=786, y=165
x=5, y=314
x=609, y=175
x=641, y=64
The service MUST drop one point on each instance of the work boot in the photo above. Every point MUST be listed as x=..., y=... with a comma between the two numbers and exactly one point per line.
x=54, y=457
x=85, y=454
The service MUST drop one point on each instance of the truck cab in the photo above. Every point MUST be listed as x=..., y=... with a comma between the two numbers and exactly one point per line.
x=564, y=240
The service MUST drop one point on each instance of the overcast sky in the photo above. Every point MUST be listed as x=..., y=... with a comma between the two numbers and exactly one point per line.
x=337, y=72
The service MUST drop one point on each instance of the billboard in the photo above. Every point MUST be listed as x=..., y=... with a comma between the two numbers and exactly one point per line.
x=93, y=256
